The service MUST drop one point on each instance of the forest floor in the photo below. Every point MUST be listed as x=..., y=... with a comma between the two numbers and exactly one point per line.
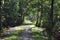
x=24, y=32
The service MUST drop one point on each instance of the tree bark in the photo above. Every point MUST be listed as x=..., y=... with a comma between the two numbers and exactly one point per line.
x=0, y=17
x=50, y=22
x=37, y=22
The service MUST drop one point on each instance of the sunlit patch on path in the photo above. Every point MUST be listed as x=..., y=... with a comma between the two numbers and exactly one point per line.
x=26, y=33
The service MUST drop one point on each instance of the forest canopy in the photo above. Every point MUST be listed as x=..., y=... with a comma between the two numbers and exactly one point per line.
x=43, y=13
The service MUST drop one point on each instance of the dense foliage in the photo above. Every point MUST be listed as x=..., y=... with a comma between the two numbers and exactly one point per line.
x=45, y=13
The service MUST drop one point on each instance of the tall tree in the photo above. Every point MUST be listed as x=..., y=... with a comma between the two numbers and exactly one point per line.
x=0, y=15
x=50, y=21
x=11, y=8
x=20, y=20
x=37, y=21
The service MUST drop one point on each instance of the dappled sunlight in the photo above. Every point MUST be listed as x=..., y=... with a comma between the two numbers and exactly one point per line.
x=11, y=38
x=16, y=31
x=37, y=33
x=32, y=26
x=36, y=29
x=27, y=22
x=13, y=33
x=26, y=33
x=29, y=19
x=20, y=27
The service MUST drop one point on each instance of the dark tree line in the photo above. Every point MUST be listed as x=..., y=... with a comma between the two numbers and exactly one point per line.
x=51, y=20
x=11, y=13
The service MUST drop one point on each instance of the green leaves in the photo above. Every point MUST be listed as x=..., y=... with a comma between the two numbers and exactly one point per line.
x=13, y=9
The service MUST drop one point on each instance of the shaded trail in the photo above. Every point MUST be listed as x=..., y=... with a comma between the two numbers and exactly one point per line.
x=26, y=33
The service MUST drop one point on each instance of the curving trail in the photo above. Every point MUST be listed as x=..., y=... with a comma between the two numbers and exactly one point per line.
x=26, y=33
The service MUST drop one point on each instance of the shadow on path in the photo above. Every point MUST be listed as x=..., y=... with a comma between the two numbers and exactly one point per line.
x=26, y=34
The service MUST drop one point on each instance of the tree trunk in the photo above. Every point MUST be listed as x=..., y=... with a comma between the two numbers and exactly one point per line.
x=0, y=17
x=37, y=22
x=20, y=20
x=50, y=22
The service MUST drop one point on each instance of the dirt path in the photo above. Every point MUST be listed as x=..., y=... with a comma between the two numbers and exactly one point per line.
x=26, y=33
